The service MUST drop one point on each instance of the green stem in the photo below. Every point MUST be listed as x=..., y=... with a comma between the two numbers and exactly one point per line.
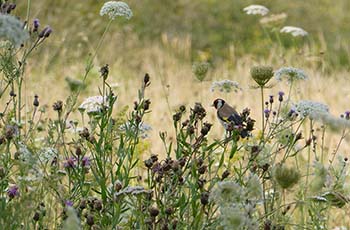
x=262, y=113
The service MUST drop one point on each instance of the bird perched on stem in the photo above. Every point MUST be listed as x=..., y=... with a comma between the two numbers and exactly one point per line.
x=228, y=116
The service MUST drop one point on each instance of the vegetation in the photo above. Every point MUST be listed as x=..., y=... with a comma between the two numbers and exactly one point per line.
x=147, y=151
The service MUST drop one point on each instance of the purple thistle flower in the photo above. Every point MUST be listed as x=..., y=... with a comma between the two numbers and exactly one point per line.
x=45, y=32
x=267, y=113
x=347, y=115
x=13, y=191
x=70, y=162
x=85, y=162
x=68, y=203
x=36, y=25
x=280, y=96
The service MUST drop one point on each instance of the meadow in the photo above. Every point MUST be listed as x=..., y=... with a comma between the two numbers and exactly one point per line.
x=107, y=119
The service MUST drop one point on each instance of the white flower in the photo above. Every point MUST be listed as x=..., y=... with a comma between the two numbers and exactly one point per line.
x=47, y=154
x=11, y=29
x=225, y=86
x=291, y=73
x=295, y=31
x=142, y=130
x=226, y=192
x=116, y=8
x=72, y=222
x=312, y=109
x=254, y=187
x=256, y=9
x=340, y=228
x=233, y=218
x=93, y=104
x=273, y=19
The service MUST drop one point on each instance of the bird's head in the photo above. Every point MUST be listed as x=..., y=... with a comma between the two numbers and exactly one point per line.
x=218, y=103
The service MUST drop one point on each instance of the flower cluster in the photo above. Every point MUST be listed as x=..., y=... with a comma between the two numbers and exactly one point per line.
x=256, y=10
x=310, y=109
x=11, y=29
x=294, y=31
x=290, y=73
x=226, y=86
x=116, y=8
x=93, y=105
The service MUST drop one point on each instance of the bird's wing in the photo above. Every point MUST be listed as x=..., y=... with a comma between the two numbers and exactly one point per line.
x=229, y=114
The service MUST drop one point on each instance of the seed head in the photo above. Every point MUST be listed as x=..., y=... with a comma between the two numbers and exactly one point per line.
x=261, y=74
x=57, y=106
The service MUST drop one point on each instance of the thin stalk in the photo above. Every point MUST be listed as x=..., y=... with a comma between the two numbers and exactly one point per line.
x=262, y=113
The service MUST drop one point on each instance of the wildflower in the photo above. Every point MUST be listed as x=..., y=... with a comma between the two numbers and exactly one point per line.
x=72, y=222
x=273, y=19
x=311, y=108
x=226, y=192
x=225, y=86
x=280, y=96
x=320, y=177
x=233, y=218
x=116, y=8
x=295, y=31
x=93, y=105
x=36, y=25
x=153, y=211
x=256, y=9
x=143, y=129
x=13, y=191
x=104, y=70
x=70, y=162
x=291, y=74
x=200, y=70
x=57, y=106
x=85, y=162
x=254, y=187
x=11, y=29
x=261, y=74
x=286, y=177
x=68, y=203
x=47, y=154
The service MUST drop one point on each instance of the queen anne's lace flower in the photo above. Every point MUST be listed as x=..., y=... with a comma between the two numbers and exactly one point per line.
x=290, y=73
x=116, y=8
x=294, y=31
x=11, y=29
x=311, y=109
x=225, y=86
x=256, y=9
x=93, y=104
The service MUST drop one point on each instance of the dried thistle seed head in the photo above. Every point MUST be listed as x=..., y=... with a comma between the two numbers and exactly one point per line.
x=82, y=204
x=90, y=220
x=146, y=80
x=261, y=74
x=57, y=106
x=225, y=174
x=202, y=169
x=36, y=216
x=148, y=163
x=204, y=198
x=36, y=101
x=153, y=211
x=104, y=70
x=146, y=104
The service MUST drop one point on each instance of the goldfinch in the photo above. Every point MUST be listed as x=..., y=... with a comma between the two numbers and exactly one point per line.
x=227, y=115
x=231, y=120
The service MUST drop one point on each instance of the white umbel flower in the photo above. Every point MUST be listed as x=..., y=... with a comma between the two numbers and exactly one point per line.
x=256, y=10
x=93, y=105
x=72, y=222
x=290, y=73
x=11, y=29
x=294, y=31
x=116, y=8
x=225, y=86
x=311, y=109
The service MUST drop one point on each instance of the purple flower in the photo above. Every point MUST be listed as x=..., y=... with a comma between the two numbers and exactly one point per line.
x=85, y=162
x=70, y=162
x=68, y=203
x=280, y=96
x=347, y=115
x=13, y=191
x=45, y=32
x=267, y=113
x=36, y=25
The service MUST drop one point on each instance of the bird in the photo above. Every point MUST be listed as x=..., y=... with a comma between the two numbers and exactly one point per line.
x=228, y=116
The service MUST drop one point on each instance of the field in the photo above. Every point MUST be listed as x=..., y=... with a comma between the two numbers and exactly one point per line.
x=148, y=151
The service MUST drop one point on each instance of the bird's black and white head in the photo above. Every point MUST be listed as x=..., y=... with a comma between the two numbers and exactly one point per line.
x=218, y=103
